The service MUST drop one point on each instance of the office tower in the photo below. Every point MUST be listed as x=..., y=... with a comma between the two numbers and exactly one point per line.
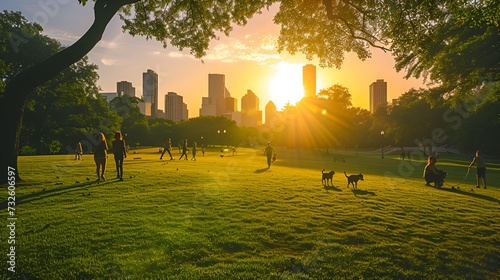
x=378, y=95
x=309, y=80
x=175, y=107
x=271, y=113
x=150, y=90
x=216, y=104
x=251, y=116
x=125, y=88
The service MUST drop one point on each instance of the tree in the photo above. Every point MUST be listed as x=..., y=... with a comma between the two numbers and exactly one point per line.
x=134, y=124
x=180, y=23
x=453, y=43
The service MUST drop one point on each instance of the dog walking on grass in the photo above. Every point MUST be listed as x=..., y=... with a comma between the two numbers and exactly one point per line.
x=353, y=179
x=327, y=176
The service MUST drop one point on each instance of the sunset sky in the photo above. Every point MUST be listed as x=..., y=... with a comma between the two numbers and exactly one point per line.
x=248, y=59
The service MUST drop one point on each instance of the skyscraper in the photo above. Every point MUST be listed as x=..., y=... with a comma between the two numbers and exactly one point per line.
x=150, y=90
x=216, y=104
x=251, y=116
x=378, y=94
x=125, y=88
x=271, y=113
x=309, y=80
x=175, y=107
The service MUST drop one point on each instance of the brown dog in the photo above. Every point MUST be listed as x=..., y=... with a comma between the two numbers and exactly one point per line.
x=327, y=176
x=353, y=179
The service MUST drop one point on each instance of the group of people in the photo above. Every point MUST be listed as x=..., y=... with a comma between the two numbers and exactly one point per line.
x=167, y=147
x=101, y=154
x=433, y=175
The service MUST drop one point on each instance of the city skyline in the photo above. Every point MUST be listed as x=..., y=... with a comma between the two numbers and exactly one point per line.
x=248, y=58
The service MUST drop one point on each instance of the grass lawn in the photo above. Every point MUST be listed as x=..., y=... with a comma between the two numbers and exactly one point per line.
x=232, y=218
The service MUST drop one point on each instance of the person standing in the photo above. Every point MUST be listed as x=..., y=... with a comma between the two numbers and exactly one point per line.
x=480, y=168
x=119, y=153
x=184, y=150
x=100, y=155
x=194, y=151
x=167, y=148
x=78, y=151
x=203, y=149
x=269, y=152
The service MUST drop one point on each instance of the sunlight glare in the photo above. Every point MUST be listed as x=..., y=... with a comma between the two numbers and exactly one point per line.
x=286, y=86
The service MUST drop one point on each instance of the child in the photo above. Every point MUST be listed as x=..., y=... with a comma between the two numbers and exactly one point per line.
x=480, y=168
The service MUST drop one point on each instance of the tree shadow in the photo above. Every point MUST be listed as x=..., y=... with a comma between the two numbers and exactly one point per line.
x=363, y=192
x=54, y=192
x=471, y=194
x=261, y=170
x=332, y=188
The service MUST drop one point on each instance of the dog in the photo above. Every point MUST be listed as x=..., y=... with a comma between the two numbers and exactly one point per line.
x=327, y=176
x=353, y=179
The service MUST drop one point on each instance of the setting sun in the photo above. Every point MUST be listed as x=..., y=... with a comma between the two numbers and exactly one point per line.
x=286, y=86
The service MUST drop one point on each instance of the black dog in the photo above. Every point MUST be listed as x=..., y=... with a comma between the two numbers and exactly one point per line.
x=327, y=176
x=353, y=179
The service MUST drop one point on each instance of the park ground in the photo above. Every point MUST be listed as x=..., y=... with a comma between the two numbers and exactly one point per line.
x=231, y=217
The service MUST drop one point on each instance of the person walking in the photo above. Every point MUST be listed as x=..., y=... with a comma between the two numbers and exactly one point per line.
x=194, y=151
x=480, y=163
x=167, y=148
x=269, y=152
x=119, y=153
x=78, y=151
x=184, y=150
x=100, y=155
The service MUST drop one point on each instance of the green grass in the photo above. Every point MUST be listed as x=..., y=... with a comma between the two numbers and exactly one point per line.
x=232, y=218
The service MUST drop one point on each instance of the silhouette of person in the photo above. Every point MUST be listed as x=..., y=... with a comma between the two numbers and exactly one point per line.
x=184, y=150
x=78, y=151
x=194, y=151
x=100, y=155
x=269, y=152
x=203, y=149
x=119, y=153
x=167, y=148
x=432, y=174
x=480, y=168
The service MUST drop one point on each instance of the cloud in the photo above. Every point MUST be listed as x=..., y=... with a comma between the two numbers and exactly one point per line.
x=108, y=61
x=268, y=43
x=232, y=50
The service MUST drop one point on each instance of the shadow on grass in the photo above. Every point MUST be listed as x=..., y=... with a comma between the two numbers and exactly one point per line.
x=332, y=188
x=55, y=191
x=471, y=193
x=363, y=192
x=261, y=170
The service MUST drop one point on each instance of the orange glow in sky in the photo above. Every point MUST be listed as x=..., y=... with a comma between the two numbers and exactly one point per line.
x=248, y=59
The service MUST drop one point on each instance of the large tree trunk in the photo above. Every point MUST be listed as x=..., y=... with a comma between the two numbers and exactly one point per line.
x=18, y=89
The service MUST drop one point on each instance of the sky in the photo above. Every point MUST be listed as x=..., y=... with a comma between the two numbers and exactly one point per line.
x=248, y=58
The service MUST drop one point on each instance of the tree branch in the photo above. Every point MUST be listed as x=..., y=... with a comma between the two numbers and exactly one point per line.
x=352, y=28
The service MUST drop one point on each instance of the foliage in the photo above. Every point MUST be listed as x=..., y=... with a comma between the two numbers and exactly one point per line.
x=481, y=123
x=134, y=124
x=453, y=43
x=64, y=108
x=188, y=24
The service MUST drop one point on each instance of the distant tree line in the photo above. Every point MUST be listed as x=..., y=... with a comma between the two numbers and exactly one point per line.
x=420, y=118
